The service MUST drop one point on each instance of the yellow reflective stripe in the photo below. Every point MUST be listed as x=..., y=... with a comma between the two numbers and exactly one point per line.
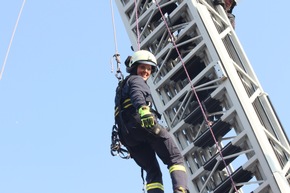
x=127, y=103
x=154, y=185
x=127, y=106
x=127, y=100
x=116, y=111
x=177, y=168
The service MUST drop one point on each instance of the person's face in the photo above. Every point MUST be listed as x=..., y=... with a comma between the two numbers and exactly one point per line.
x=144, y=70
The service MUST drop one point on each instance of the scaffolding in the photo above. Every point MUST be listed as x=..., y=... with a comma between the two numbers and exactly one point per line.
x=209, y=96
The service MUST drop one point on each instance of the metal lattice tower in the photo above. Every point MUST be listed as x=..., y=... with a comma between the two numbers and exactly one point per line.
x=210, y=97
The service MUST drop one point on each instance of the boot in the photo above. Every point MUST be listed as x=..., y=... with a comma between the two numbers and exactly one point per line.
x=181, y=190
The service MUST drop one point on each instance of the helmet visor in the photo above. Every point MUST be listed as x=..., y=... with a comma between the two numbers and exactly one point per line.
x=146, y=62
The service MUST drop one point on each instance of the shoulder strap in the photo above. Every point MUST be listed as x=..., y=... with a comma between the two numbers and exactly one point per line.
x=119, y=92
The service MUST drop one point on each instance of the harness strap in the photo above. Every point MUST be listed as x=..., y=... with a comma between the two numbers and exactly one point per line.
x=116, y=145
x=126, y=104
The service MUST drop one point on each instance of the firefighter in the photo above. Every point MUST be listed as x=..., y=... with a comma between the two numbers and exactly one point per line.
x=139, y=130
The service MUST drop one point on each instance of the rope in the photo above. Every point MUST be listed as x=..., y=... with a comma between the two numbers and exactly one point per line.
x=118, y=74
x=11, y=39
x=114, y=27
x=137, y=25
x=194, y=91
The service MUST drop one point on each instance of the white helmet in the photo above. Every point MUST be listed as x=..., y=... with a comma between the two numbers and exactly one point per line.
x=141, y=56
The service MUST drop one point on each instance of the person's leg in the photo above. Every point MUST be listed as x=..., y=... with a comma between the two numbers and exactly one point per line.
x=169, y=153
x=145, y=157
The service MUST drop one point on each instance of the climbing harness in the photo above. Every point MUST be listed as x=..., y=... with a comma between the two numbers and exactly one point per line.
x=117, y=148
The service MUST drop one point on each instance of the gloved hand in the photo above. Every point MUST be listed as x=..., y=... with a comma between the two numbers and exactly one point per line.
x=147, y=118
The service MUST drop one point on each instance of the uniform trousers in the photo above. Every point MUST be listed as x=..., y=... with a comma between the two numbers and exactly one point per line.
x=144, y=146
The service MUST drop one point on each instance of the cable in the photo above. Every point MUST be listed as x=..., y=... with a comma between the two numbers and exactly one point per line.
x=118, y=74
x=114, y=28
x=11, y=39
x=137, y=25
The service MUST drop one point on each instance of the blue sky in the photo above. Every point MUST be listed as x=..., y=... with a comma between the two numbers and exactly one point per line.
x=57, y=91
